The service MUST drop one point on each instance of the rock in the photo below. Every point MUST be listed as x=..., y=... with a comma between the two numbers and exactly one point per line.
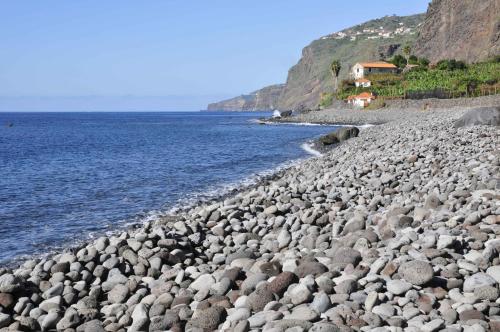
x=321, y=302
x=489, y=116
x=444, y=241
x=130, y=256
x=494, y=272
x=139, y=317
x=281, y=282
x=6, y=300
x=306, y=268
x=259, y=298
x=345, y=133
x=324, y=327
x=8, y=283
x=209, y=318
x=468, y=315
x=353, y=225
x=384, y=310
x=345, y=256
x=434, y=325
x=416, y=272
x=271, y=210
x=118, y=294
x=239, y=314
x=432, y=202
x=300, y=294
x=91, y=326
x=4, y=320
x=370, y=301
x=284, y=238
x=346, y=287
x=50, y=320
x=304, y=313
x=487, y=293
x=329, y=139
x=205, y=281
x=478, y=280
x=398, y=287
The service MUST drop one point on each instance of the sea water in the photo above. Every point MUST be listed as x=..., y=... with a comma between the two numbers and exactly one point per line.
x=66, y=177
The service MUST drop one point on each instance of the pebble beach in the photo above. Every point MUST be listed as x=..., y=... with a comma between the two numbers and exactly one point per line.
x=397, y=229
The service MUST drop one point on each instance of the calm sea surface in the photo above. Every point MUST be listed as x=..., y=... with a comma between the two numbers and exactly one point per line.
x=65, y=177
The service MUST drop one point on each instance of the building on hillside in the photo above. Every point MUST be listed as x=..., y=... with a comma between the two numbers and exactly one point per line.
x=361, y=69
x=362, y=100
x=362, y=83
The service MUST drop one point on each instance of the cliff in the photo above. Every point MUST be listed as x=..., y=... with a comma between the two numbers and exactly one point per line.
x=265, y=99
x=467, y=30
x=373, y=40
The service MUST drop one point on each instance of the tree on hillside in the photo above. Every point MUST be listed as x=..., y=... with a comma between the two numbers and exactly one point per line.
x=399, y=61
x=407, y=53
x=335, y=70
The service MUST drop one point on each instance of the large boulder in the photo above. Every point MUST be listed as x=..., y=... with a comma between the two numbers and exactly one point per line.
x=489, y=116
x=345, y=133
x=339, y=135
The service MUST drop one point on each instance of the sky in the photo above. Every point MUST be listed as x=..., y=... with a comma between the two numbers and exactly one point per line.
x=160, y=55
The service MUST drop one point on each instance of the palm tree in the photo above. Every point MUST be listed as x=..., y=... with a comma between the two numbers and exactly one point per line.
x=407, y=53
x=335, y=70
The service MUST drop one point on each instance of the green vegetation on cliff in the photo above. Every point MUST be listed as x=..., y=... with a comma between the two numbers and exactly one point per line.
x=448, y=79
x=374, y=40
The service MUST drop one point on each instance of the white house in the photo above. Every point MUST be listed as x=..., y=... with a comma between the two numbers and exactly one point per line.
x=362, y=100
x=361, y=69
x=362, y=83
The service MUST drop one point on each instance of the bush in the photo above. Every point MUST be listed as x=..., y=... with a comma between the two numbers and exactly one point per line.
x=413, y=60
x=376, y=104
x=326, y=100
x=399, y=61
x=423, y=62
x=450, y=65
x=384, y=79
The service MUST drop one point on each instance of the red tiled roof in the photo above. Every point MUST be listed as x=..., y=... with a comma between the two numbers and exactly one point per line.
x=365, y=95
x=378, y=64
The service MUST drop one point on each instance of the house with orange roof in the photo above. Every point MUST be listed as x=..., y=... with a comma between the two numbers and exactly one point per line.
x=362, y=83
x=361, y=69
x=362, y=100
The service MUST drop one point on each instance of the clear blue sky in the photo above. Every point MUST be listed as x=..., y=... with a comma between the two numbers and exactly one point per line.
x=90, y=55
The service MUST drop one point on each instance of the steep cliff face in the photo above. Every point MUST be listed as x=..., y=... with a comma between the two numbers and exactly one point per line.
x=373, y=40
x=467, y=30
x=265, y=99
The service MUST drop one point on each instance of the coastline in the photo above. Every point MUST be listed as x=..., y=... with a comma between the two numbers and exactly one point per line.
x=329, y=243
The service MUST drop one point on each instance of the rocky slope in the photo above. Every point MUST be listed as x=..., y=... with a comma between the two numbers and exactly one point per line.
x=265, y=99
x=373, y=40
x=465, y=30
x=395, y=230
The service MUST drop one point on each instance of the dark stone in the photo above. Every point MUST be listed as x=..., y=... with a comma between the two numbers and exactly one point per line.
x=489, y=116
x=306, y=268
x=471, y=314
x=6, y=300
x=329, y=139
x=345, y=133
x=209, y=318
x=260, y=297
x=282, y=281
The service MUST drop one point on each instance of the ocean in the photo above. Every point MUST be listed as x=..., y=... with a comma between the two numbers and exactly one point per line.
x=68, y=177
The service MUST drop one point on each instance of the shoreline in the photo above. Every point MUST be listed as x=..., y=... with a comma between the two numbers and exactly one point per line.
x=396, y=227
x=211, y=195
